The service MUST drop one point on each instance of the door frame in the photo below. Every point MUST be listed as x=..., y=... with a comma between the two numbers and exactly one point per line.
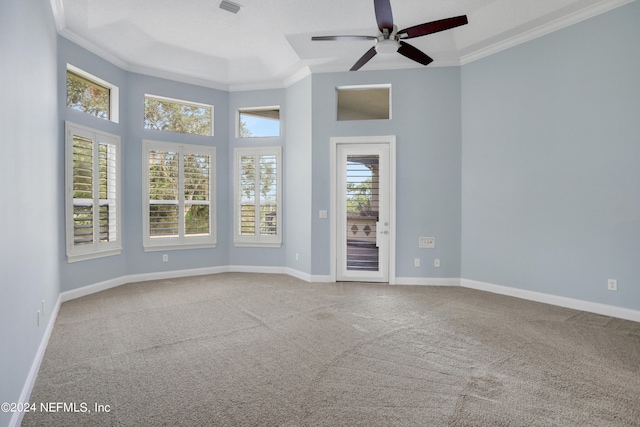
x=389, y=140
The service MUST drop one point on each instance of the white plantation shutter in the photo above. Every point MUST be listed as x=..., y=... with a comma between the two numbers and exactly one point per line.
x=93, y=211
x=258, y=210
x=164, y=175
x=178, y=185
x=83, y=208
x=197, y=194
x=247, y=195
x=108, y=193
x=268, y=194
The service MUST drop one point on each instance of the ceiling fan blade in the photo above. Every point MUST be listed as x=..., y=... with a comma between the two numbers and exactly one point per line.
x=433, y=27
x=384, y=16
x=414, y=53
x=365, y=58
x=326, y=38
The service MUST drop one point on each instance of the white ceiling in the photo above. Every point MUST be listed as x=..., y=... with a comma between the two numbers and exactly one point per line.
x=268, y=43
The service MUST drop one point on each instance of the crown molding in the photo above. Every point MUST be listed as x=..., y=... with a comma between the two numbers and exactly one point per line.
x=126, y=66
x=96, y=50
x=58, y=14
x=297, y=76
x=272, y=84
x=555, y=25
x=258, y=85
x=182, y=78
x=560, y=23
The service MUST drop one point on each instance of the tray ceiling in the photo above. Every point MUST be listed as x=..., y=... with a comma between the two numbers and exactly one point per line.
x=268, y=42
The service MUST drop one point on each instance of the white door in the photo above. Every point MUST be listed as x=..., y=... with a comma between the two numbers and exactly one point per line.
x=363, y=214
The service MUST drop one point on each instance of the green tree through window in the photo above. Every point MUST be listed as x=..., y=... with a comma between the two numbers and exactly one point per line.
x=177, y=116
x=258, y=216
x=85, y=95
x=180, y=194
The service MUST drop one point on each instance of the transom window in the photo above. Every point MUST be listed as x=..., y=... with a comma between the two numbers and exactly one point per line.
x=92, y=95
x=260, y=122
x=258, y=197
x=179, y=207
x=174, y=115
x=93, y=193
x=371, y=102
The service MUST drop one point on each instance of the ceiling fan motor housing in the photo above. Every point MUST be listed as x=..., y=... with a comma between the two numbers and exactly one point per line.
x=387, y=42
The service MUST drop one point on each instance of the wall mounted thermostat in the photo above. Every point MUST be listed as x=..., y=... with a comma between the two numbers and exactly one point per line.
x=427, y=242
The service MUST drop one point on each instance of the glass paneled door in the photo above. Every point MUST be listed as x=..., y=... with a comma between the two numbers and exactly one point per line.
x=363, y=212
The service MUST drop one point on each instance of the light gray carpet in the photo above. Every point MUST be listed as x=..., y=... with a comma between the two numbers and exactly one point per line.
x=254, y=350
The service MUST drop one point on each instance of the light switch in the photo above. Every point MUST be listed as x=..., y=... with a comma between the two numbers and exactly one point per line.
x=323, y=214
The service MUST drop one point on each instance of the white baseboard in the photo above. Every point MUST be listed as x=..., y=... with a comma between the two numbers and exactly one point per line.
x=160, y=275
x=16, y=419
x=92, y=289
x=576, y=304
x=604, y=309
x=428, y=281
x=319, y=278
x=298, y=274
x=255, y=269
x=173, y=274
x=607, y=310
x=145, y=277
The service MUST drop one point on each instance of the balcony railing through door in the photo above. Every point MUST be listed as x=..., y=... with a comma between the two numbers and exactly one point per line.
x=362, y=204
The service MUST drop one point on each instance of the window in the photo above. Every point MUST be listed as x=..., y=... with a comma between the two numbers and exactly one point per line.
x=257, y=189
x=364, y=102
x=174, y=115
x=93, y=193
x=262, y=122
x=179, y=207
x=88, y=93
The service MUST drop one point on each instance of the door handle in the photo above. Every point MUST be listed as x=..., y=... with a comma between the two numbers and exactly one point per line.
x=384, y=232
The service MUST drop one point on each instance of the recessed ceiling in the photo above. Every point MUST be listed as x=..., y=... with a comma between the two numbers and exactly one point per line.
x=268, y=42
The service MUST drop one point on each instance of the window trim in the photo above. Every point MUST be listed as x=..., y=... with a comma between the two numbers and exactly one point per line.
x=184, y=102
x=182, y=241
x=257, y=240
x=97, y=249
x=258, y=138
x=114, y=92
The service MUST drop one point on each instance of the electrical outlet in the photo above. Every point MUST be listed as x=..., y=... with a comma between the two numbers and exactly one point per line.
x=427, y=242
x=297, y=257
x=416, y=262
x=436, y=262
x=165, y=257
x=612, y=284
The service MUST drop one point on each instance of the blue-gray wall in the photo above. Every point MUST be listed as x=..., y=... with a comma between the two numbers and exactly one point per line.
x=31, y=188
x=85, y=273
x=523, y=165
x=138, y=261
x=299, y=164
x=551, y=163
x=132, y=88
x=426, y=121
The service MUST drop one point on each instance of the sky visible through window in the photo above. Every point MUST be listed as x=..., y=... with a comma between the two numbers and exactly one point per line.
x=261, y=127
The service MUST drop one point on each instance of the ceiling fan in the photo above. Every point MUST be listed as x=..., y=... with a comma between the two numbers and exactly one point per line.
x=389, y=39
